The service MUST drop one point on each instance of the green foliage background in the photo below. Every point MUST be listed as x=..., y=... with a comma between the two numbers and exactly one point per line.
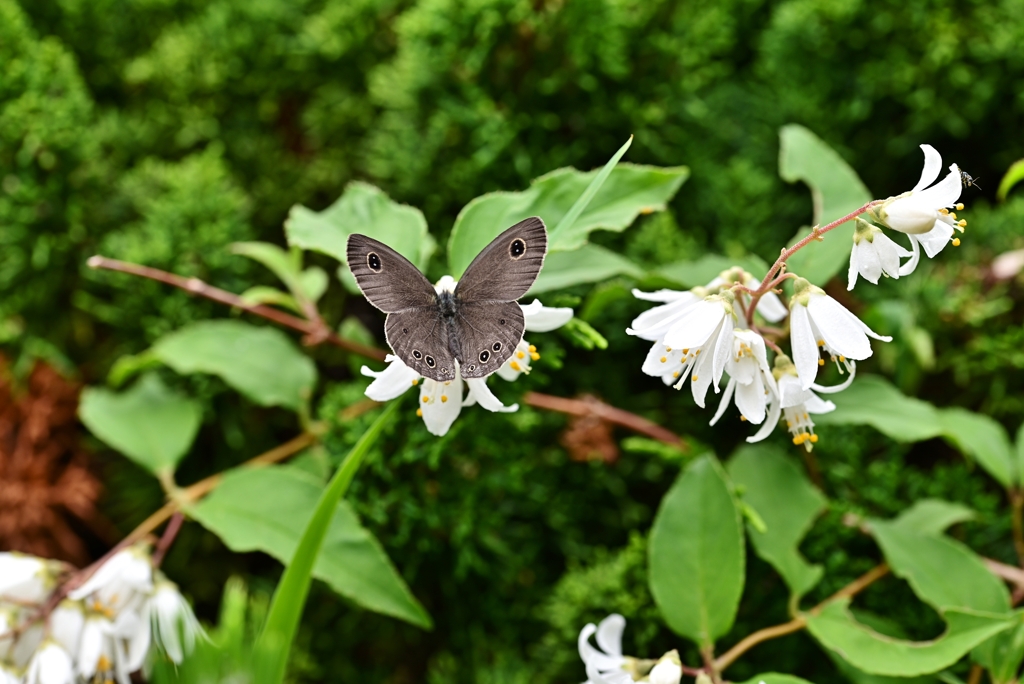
x=158, y=131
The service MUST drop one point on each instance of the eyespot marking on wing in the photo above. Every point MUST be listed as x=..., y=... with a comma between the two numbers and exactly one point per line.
x=496, y=346
x=517, y=249
x=502, y=321
x=430, y=361
x=472, y=367
x=484, y=355
x=373, y=262
x=417, y=354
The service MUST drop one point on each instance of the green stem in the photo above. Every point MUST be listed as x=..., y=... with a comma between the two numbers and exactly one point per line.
x=274, y=644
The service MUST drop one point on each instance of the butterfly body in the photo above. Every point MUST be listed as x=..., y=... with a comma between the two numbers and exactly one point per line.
x=477, y=325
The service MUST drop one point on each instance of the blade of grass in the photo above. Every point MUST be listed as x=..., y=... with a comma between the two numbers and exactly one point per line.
x=565, y=225
x=289, y=599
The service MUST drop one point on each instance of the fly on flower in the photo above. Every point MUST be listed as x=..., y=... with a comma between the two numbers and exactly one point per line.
x=969, y=182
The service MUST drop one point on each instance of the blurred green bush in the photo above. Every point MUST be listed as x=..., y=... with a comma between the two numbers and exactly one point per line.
x=158, y=132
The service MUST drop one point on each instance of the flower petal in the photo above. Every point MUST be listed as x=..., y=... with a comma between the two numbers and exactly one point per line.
x=540, y=318
x=868, y=262
x=768, y=426
x=391, y=382
x=653, y=323
x=915, y=256
x=697, y=325
x=442, y=406
x=772, y=308
x=662, y=295
x=816, y=404
x=842, y=331
x=935, y=240
x=479, y=391
x=724, y=403
x=832, y=389
x=889, y=254
x=945, y=193
x=932, y=166
x=751, y=400
x=853, y=272
x=805, y=347
x=609, y=634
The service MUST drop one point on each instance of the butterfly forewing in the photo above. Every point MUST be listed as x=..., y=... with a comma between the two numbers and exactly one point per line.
x=488, y=333
x=507, y=267
x=419, y=337
x=388, y=280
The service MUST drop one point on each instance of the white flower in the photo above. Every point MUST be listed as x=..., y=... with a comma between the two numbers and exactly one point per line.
x=102, y=654
x=24, y=578
x=816, y=320
x=607, y=665
x=66, y=624
x=924, y=212
x=701, y=342
x=29, y=639
x=174, y=625
x=538, y=318
x=873, y=254
x=441, y=402
x=652, y=324
x=668, y=669
x=795, y=404
x=750, y=378
x=123, y=581
x=8, y=676
x=50, y=665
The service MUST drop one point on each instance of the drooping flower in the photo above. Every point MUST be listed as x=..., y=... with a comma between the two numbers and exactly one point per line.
x=697, y=347
x=873, y=255
x=750, y=378
x=51, y=664
x=122, y=581
x=605, y=665
x=925, y=213
x=441, y=402
x=175, y=627
x=795, y=404
x=24, y=578
x=818, y=321
x=668, y=669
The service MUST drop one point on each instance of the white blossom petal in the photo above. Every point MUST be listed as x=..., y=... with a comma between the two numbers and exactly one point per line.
x=391, y=382
x=480, y=392
x=724, y=403
x=697, y=325
x=772, y=308
x=441, y=403
x=842, y=331
x=945, y=193
x=750, y=400
x=935, y=240
x=609, y=634
x=540, y=318
x=662, y=295
x=774, y=413
x=915, y=256
x=804, y=344
x=932, y=166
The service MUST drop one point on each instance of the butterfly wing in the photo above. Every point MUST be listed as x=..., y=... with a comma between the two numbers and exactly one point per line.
x=419, y=336
x=388, y=280
x=507, y=267
x=488, y=333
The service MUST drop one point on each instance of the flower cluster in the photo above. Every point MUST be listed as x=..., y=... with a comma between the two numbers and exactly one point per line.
x=441, y=402
x=99, y=631
x=722, y=330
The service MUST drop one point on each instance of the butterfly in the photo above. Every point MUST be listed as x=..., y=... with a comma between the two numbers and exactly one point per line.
x=477, y=325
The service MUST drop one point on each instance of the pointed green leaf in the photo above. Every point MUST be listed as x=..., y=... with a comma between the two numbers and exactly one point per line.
x=149, y=423
x=836, y=629
x=778, y=490
x=933, y=516
x=283, y=264
x=775, y=678
x=942, y=572
x=835, y=190
x=261, y=363
x=266, y=509
x=367, y=210
x=696, y=554
x=588, y=264
x=1013, y=175
x=700, y=272
x=885, y=627
x=629, y=190
x=261, y=294
x=1002, y=654
x=873, y=401
x=566, y=235
x=984, y=439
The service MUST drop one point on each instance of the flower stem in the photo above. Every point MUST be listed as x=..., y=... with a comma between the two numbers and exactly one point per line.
x=170, y=533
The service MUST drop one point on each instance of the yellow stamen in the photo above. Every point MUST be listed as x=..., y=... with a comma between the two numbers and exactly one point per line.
x=535, y=356
x=685, y=352
x=952, y=215
x=806, y=417
x=668, y=349
x=956, y=242
x=821, y=343
x=693, y=379
x=697, y=353
x=797, y=440
x=426, y=399
x=419, y=412
x=664, y=359
x=960, y=207
x=743, y=418
x=943, y=211
x=814, y=439
x=415, y=382
x=514, y=366
x=444, y=399
x=962, y=223
x=842, y=358
x=520, y=355
x=675, y=374
x=821, y=362
x=103, y=664
x=533, y=348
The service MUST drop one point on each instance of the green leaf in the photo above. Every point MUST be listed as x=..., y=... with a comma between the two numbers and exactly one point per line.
x=776, y=678
x=888, y=628
x=313, y=282
x=630, y=190
x=873, y=401
x=1014, y=175
x=941, y=571
x=566, y=235
x=835, y=190
x=788, y=503
x=933, y=516
x=696, y=554
x=290, y=596
x=705, y=269
x=588, y=264
x=836, y=629
x=364, y=209
x=284, y=265
x=261, y=363
x=266, y=509
x=149, y=423
x=1002, y=654
x=261, y=294
x=984, y=439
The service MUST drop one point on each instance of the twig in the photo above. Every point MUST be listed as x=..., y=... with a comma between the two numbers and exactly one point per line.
x=1017, y=520
x=170, y=532
x=798, y=623
x=577, y=407
x=316, y=331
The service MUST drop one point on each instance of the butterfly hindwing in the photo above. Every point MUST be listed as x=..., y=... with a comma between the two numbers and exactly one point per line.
x=419, y=337
x=388, y=280
x=488, y=333
x=508, y=266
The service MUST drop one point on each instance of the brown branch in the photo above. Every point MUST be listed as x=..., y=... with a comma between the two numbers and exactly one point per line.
x=315, y=331
x=631, y=421
x=1017, y=520
x=170, y=532
x=798, y=623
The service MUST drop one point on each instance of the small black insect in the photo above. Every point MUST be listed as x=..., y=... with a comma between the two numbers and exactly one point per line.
x=968, y=181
